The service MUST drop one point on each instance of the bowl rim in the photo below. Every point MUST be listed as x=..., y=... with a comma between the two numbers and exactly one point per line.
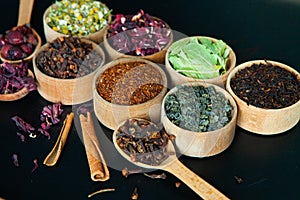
x=108, y=46
x=95, y=46
x=231, y=100
x=61, y=34
x=126, y=60
x=248, y=64
x=230, y=67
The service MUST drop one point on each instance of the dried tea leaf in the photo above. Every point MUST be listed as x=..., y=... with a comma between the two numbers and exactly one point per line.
x=198, y=108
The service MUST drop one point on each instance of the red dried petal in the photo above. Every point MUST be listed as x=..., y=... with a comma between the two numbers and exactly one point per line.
x=22, y=125
x=36, y=165
x=139, y=34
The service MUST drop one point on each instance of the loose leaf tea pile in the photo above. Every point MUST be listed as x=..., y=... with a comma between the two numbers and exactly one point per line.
x=266, y=86
x=199, y=58
x=143, y=141
x=198, y=108
x=130, y=83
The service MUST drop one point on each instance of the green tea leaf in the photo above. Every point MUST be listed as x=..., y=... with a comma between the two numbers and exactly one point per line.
x=199, y=58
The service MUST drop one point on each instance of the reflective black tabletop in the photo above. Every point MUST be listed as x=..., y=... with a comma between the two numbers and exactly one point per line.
x=268, y=165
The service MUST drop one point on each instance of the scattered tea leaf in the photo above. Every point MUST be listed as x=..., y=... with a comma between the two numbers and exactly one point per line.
x=135, y=194
x=156, y=176
x=101, y=191
x=238, y=179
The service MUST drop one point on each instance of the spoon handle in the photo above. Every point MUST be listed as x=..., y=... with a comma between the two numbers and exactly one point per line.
x=196, y=183
x=25, y=10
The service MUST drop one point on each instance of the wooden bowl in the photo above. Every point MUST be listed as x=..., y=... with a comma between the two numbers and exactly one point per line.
x=111, y=115
x=28, y=58
x=17, y=95
x=66, y=91
x=51, y=34
x=158, y=57
x=177, y=78
x=264, y=121
x=201, y=144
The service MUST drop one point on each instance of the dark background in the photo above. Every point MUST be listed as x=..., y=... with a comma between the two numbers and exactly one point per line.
x=268, y=165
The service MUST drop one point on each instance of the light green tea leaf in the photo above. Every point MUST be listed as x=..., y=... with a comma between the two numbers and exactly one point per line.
x=199, y=58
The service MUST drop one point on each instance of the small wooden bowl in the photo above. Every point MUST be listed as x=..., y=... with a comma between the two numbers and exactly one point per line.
x=66, y=91
x=51, y=34
x=28, y=58
x=264, y=121
x=158, y=57
x=201, y=144
x=177, y=78
x=17, y=95
x=111, y=115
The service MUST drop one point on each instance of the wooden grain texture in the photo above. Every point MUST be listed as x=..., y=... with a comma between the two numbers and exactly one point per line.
x=25, y=10
x=201, y=144
x=158, y=57
x=50, y=34
x=178, y=78
x=111, y=115
x=98, y=168
x=66, y=91
x=195, y=182
x=17, y=95
x=264, y=121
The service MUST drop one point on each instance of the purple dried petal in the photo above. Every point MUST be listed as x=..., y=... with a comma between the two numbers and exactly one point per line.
x=35, y=167
x=15, y=77
x=15, y=160
x=21, y=136
x=46, y=111
x=22, y=125
x=138, y=33
x=45, y=133
x=42, y=117
x=29, y=83
x=51, y=113
x=57, y=109
x=45, y=126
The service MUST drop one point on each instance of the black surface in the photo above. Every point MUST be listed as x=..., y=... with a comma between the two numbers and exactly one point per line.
x=269, y=166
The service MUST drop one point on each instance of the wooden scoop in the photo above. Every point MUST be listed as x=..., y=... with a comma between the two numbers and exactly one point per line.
x=56, y=151
x=25, y=9
x=175, y=167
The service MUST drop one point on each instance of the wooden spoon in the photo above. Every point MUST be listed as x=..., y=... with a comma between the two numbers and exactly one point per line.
x=25, y=9
x=175, y=167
